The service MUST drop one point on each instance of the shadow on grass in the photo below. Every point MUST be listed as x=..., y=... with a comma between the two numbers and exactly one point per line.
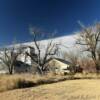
x=27, y=84
x=22, y=83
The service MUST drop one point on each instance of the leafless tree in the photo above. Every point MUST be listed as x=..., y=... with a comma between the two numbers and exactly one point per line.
x=89, y=40
x=43, y=53
x=72, y=57
x=9, y=56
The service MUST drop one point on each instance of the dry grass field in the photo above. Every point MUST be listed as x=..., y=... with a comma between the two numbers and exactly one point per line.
x=16, y=81
x=84, y=89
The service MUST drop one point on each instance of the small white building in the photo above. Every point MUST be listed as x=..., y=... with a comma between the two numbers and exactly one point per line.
x=59, y=65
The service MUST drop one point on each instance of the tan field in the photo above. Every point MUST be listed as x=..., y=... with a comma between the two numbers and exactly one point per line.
x=68, y=90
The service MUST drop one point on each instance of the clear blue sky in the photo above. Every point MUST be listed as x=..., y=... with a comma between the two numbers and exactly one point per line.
x=60, y=15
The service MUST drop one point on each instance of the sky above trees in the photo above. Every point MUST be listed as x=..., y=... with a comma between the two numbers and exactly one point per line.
x=50, y=15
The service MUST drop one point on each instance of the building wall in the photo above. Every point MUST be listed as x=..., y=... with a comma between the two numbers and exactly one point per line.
x=58, y=67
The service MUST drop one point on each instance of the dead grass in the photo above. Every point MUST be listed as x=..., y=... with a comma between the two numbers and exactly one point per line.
x=68, y=90
x=87, y=76
x=16, y=81
x=9, y=82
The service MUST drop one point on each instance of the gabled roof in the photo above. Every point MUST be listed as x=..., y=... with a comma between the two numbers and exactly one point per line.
x=63, y=61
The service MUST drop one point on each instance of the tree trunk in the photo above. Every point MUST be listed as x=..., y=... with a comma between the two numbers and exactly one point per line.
x=11, y=69
x=10, y=72
x=97, y=68
x=40, y=70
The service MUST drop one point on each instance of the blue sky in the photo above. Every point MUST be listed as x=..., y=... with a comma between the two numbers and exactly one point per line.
x=49, y=15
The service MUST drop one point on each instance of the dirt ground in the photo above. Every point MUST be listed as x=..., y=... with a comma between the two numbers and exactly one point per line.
x=68, y=90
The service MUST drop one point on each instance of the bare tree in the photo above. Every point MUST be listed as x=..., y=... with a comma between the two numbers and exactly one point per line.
x=43, y=53
x=89, y=40
x=9, y=57
x=72, y=57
